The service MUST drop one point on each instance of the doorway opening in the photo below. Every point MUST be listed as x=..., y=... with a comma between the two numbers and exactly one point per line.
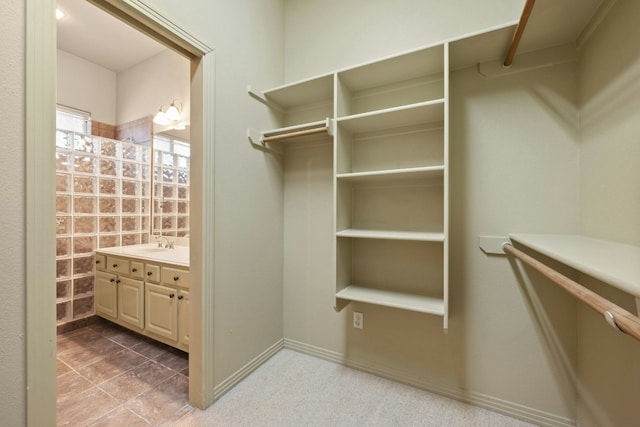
x=41, y=206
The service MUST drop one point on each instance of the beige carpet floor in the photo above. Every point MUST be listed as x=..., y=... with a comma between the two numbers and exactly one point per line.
x=293, y=389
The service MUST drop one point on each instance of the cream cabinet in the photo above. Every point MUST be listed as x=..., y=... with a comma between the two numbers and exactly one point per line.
x=131, y=301
x=167, y=312
x=106, y=295
x=148, y=297
x=119, y=294
x=183, y=317
x=161, y=315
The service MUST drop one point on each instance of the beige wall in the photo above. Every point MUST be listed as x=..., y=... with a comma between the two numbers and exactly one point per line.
x=248, y=39
x=12, y=223
x=323, y=36
x=609, y=363
x=155, y=82
x=86, y=86
x=117, y=98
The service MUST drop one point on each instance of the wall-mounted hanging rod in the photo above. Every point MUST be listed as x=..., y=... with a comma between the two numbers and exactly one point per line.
x=526, y=12
x=294, y=134
x=616, y=316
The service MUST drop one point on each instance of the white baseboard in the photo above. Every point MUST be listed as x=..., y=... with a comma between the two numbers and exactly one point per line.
x=241, y=373
x=512, y=409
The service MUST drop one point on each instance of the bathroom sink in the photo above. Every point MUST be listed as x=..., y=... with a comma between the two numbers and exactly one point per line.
x=151, y=251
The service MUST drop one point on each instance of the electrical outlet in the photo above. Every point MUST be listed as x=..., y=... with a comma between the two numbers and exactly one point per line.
x=358, y=320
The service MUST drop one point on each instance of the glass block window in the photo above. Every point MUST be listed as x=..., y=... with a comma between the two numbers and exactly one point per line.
x=102, y=200
x=171, y=161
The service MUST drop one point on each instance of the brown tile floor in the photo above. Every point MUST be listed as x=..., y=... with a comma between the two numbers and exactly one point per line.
x=109, y=376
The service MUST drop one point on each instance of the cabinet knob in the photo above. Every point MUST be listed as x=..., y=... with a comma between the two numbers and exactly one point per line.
x=172, y=295
x=112, y=280
x=176, y=278
x=180, y=296
x=97, y=261
x=115, y=265
x=149, y=273
x=117, y=281
x=133, y=270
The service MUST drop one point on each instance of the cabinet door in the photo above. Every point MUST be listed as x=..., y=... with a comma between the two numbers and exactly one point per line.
x=183, y=317
x=161, y=310
x=106, y=295
x=131, y=301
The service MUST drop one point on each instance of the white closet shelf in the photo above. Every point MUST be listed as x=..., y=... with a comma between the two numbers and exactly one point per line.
x=614, y=263
x=425, y=172
x=406, y=66
x=406, y=115
x=305, y=92
x=401, y=300
x=392, y=235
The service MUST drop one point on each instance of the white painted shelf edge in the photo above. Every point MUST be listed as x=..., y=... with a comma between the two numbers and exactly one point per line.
x=399, y=300
x=392, y=235
x=439, y=170
x=614, y=263
x=401, y=108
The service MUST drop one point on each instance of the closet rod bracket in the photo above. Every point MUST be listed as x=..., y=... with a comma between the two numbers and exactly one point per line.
x=255, y=138
x=611, y=320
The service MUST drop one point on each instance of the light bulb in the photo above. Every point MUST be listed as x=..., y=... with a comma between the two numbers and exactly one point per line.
x=173, y=113
x=161, y=118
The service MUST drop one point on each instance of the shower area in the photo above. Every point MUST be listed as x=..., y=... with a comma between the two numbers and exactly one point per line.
x=115, y=186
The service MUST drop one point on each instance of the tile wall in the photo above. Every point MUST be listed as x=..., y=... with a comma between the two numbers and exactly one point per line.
x=103, y=199
x=171, y=194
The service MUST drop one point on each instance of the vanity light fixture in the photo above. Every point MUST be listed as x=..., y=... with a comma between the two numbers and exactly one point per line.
x=173, y=113
x=169, y=117
x=161, y=118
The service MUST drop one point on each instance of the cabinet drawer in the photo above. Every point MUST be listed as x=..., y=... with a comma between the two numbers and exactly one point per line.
x=118, y=265
x=101, y=262
x=175, y=276
x=152, y=272
x=137, y=270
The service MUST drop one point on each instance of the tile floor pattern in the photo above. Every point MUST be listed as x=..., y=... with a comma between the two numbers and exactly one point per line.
x=108, y=376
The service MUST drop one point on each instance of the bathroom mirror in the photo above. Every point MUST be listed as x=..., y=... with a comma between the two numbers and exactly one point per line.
x=171, y=164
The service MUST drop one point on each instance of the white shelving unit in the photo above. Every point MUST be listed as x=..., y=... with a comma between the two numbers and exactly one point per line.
x=388, y=121
x=391, y=183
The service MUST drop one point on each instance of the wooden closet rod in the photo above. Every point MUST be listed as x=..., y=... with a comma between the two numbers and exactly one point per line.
x=295, y=134
x=526, y=12
x=615, y=315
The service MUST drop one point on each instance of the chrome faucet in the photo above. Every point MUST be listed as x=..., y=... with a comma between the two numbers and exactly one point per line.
x=168, y=244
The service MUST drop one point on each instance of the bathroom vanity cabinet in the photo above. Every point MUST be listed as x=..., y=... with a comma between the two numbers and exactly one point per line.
x=144, y=295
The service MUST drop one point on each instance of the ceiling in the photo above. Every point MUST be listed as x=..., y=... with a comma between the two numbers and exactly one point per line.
x=92, y=34
x=555, y=22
